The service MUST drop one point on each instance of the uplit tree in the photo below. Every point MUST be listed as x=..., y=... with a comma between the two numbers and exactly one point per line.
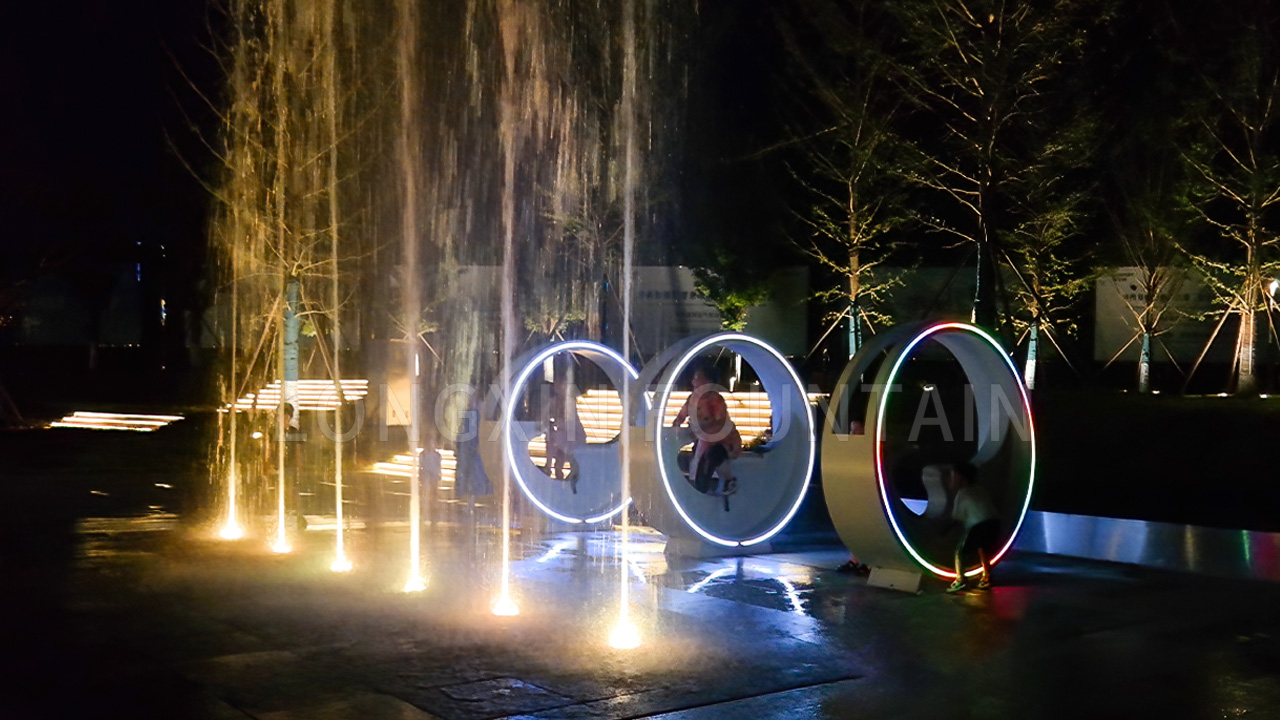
x=985, y=71
x=852, y=163
x=732, y=186
x=1045, y=252
x=1235, y=190
x=1048, y=276
x=1147, y=221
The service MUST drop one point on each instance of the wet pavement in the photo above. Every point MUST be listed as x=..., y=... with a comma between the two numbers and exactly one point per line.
x=156, y=619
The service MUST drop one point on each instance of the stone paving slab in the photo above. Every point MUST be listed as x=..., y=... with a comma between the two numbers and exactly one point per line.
x=193, y=628
x=365, y=706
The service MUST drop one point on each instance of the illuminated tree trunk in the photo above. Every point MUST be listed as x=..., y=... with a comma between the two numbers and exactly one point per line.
x=1033, y=355
x=1246, y=342
x=1144, y=364
x=855, y=322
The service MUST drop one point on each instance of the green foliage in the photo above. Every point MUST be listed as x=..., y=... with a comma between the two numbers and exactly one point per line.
x=550, y=315
x=732, y=296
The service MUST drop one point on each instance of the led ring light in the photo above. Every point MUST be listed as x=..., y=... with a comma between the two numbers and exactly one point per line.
x=765, y=355
x=845, y=456
x=597, y=353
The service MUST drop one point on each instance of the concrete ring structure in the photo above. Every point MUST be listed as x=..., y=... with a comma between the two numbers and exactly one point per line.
x=598, y=495
x=772, y=481
x=863, y=481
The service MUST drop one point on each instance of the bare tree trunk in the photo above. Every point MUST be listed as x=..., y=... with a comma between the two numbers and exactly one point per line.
x=1144, y=364
x=1246, y=342
x=1246, y=351
x=1033, y=355
x=855, y=327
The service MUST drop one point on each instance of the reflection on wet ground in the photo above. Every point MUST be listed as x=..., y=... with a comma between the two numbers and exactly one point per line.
x=158, y=620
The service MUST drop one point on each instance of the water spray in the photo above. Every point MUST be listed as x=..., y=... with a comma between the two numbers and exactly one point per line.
x=625, y=636
x=505, y=605
x=411, y=299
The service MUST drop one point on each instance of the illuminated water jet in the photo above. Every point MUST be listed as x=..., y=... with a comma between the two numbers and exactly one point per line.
x=509, y=123
x=231, y=530
x=340, y=563
x=625, y=635
x=505, y=606
x=411, y=299
x=389, y=264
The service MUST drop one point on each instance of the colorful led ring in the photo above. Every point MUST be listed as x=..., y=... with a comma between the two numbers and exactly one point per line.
x=879, y=445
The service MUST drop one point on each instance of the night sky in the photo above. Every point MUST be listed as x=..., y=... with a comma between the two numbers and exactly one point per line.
x=100, y=116
x=91, y=92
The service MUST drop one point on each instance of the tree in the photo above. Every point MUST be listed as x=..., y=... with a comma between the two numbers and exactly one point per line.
x=852, y=162
x=1147, y=235
x=984, y=71
x=732, y=295
x=1235, y=189
x=1048, y=276
x=1139, y=180
x=1043, y=250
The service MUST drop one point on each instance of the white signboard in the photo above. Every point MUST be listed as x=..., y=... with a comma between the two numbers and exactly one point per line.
x=667, y=308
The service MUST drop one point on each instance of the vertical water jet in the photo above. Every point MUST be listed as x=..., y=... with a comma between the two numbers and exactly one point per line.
x=341, y=563
x=625, y=635
x=276, y=25
x=411, y=298
x=231, y=528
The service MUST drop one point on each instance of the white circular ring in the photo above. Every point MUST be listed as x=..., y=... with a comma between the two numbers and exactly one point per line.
x=517, y=388
x=664, y=395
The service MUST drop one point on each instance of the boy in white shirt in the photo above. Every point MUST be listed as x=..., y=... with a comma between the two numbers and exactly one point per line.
x=971, y=506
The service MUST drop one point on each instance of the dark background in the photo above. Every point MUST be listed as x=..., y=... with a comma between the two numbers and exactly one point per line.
x=98, y=176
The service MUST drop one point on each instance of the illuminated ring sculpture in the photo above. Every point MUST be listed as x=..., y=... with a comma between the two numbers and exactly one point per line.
x=600, y=464
x=871, y=518
x=771, y=484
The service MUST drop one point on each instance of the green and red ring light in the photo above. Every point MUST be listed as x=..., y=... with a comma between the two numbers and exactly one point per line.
x=854, y=466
